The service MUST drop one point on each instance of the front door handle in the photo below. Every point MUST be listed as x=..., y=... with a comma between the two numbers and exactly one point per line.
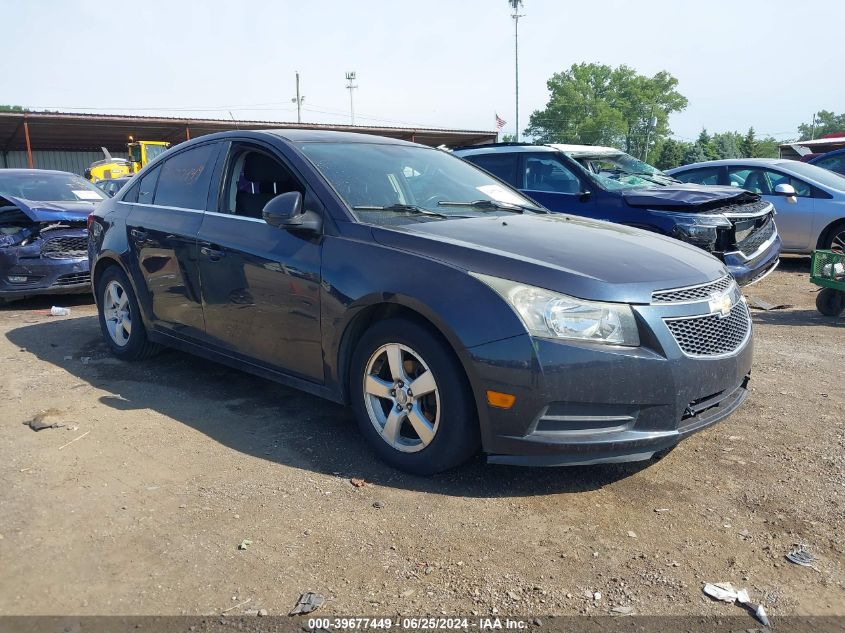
x=212, y=253
x=139, y=234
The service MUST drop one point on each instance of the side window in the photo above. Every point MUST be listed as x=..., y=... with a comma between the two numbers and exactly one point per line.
x=549, y=174
x=834, y=163
x=503, y=166
x=253, y=178
x=147, y=187
x=801, y=188
x=131, y=194
x=707, y=176
x=185, y=178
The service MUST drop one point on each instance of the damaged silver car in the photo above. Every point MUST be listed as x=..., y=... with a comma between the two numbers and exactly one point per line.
x=43, y=233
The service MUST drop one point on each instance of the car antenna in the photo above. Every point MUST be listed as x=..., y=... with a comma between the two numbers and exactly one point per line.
x=233, y=120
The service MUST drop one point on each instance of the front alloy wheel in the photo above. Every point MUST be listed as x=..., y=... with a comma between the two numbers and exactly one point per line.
x=402, y=398
x=411, y=397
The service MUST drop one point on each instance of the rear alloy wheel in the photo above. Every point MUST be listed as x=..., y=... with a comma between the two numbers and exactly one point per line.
x=120, y=317
x=412, y=399
x=830, y=302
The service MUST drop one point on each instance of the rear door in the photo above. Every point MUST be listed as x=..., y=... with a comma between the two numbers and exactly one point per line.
x=260, y=283
x=166, y=217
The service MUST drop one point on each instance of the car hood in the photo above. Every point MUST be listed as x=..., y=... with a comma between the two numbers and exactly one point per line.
x=48, y=211
x=577, y=256
x=688, y=197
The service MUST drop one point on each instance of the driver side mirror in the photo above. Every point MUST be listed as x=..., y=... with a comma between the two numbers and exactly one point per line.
x=787, y=191
x=285, y=212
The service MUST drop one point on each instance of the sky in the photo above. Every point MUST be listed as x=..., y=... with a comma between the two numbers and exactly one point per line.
x=439, y=63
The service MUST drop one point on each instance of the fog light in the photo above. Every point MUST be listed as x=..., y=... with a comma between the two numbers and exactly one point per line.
x=500, y=400
x=17, y=279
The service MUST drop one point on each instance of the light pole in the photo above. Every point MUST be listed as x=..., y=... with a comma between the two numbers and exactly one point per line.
x=350, y=77
x=515, y=4
x=298, y=100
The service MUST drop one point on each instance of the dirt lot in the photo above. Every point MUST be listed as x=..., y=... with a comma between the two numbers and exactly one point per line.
x=177, y=460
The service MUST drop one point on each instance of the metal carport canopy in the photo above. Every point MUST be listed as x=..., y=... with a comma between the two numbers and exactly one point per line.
x=81, y=132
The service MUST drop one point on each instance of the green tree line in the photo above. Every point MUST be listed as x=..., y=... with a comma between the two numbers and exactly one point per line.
x=596, y=104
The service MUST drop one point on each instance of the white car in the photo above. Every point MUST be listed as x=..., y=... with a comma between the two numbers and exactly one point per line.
x=810, y=200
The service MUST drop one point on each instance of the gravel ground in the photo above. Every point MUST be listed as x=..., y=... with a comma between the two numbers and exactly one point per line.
x=139, y=504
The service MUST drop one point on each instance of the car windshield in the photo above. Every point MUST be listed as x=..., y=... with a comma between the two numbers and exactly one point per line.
x=387, y=184
x=813, y=172
x=618, y=170
x=49, y=187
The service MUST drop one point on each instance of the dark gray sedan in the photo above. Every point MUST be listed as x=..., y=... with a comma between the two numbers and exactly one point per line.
x=446, y=308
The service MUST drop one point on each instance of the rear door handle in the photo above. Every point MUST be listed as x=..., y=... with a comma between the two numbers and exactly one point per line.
x=212, y=253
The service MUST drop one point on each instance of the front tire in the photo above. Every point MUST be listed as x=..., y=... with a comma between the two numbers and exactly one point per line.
x=120, y=317
x=830, y=302
x=412, y=399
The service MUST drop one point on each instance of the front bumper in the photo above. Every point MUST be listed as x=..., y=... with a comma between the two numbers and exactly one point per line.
x=582, y=403
x=44, y=276
x=748, y=270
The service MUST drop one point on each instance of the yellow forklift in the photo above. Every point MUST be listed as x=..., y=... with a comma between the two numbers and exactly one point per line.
x=140, y=153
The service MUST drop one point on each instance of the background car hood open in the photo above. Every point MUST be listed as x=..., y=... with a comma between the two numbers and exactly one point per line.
x=688, y=198
x=577, y=256
x=47, y=211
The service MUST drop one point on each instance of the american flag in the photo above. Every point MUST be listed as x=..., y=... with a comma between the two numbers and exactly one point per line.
x=500, y=122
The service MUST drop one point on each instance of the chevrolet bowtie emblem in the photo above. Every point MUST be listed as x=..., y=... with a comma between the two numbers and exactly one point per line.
x=721, y=304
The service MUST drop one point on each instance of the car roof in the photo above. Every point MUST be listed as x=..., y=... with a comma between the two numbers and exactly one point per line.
x=754, y=162
x=502, y=148
x=584, y=150
x=35, y=172
x=331, y=136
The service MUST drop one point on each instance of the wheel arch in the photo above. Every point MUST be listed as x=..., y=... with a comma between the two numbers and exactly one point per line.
x=100, y=266
x=826, y=232
x=378, y=310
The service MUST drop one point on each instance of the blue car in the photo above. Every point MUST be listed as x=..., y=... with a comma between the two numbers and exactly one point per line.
x=604, y=183
x=834, y=161
x=43, y=233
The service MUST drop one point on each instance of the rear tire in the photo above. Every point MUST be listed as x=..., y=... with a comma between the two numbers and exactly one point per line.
x=830, y=302
x=120, y=317
x=421, y=432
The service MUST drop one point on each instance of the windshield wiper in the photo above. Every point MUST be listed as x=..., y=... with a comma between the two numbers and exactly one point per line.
x=401, y=208
x=490, y=204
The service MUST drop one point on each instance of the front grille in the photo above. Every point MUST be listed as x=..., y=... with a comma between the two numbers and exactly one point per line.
x=72, y=279
x=711, y=335
x=67, y=247
x=692, y=293
x=749, y=245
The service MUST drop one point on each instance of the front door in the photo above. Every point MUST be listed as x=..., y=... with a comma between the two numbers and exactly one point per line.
x=794, y=218
x=260, y=283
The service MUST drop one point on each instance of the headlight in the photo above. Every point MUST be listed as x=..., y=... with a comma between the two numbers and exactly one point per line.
x=548, y=314
x=699, y=230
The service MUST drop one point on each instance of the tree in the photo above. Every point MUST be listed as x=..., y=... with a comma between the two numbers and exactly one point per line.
x=748, y=146
x=671, y=153
x=727, y=145
x=595, y=104
x=826, y=122
x=508, y=138
x=13, y=108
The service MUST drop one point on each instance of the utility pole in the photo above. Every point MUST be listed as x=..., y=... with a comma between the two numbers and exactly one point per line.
x=298, y=100
x=813, y=129
x=652, y=123
x=350, y=77
x=515, y=4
